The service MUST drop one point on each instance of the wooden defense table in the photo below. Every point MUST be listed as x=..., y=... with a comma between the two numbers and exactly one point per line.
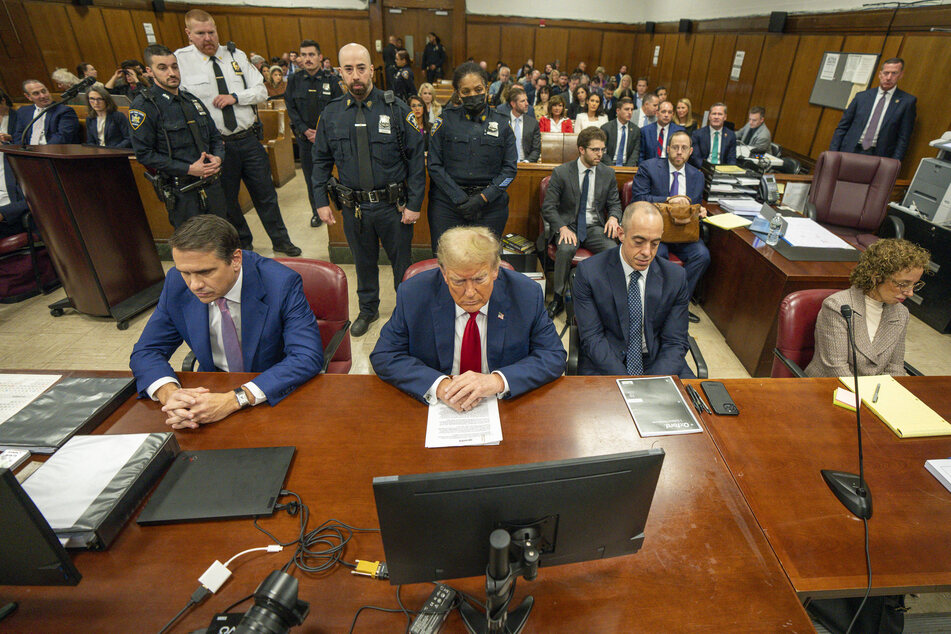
x=787, y=431
x=705, y=564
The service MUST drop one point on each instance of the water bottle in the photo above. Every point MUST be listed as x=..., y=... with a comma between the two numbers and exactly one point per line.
x=775, y=228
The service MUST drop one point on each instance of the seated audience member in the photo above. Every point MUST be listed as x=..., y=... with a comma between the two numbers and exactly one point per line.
x=654, y=136
x=420, y=118
x=428, y=92
x=755, y=134
x=495, y=88
x=581, y=208
x=127, y=79
x=647, y=113
x=661, y=92
x=556, y=121
x=275, y=83
x=8, y=118
x=683, y=115
x=57, y=124
x=625, y=88
x=622, y=71
x=542, y=96
x=714, y=142
x=260, y=63
x=12, y=203
x=238, y=312
x=610, y=101
x=85, y=69
x=328, y=67
x=594, y=115
x=527, y=132
x=631, y=307
x=105, y=125
x=558, y=84
x=579, y=102
x=623, y=134
x=640, y=92
x=888, y=272
x=469, y=329
x=63, y=79
x=673, y=180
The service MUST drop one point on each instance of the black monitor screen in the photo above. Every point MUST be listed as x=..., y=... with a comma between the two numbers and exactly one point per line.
x=30, y=553
x=436, y=526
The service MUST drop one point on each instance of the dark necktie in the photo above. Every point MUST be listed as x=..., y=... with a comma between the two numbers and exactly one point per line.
x=621, y=147
x=470, y=354
x=583, y=209
x=227, y=113
x=675, y=184
x=229, y=335
x=363, y=150
x=312, y=104
x=660, y=141
x=869, y=135
x=747, y=136
x=635, y=358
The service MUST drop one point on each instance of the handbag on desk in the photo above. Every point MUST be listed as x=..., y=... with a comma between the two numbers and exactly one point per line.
x=681, y=222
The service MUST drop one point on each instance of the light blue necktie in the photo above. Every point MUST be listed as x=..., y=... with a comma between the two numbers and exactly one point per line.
x=517, y=127
x=621, y=147
x=635, y=359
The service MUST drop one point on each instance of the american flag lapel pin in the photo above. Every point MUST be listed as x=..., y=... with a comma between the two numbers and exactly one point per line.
x=501, y=316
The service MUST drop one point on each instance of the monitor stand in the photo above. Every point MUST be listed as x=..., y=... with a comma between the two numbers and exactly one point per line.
x=500, y=577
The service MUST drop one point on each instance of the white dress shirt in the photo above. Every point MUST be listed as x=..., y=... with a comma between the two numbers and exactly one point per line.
x=621, y=148
x=198, y=78
x=643, y=119
x=680, y=175
x=642, y=286
x=878, y=95
x=582, y=121
x=101, y=129
x=666, y=129
x=518, y=122
x=4, y=194
x=38, y=133
x=590, y=214
x=216, y=339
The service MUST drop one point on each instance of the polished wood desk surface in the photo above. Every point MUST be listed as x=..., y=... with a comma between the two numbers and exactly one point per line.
x=705, y=564
x=787, y=431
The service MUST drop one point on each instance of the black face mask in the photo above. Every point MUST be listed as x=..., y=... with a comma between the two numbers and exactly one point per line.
x=473, y=104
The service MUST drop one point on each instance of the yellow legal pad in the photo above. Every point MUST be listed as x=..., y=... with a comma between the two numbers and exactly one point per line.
x=727, y=221
x=898, y=408
x=729, y=169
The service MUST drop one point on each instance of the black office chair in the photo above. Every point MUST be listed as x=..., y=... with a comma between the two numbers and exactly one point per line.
x=776, y=150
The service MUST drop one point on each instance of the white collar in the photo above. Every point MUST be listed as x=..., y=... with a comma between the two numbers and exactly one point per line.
x=234, y=295
x=582, y=167
x=460, y=311
x=628, y=269
x=515, y=118
x=671, y=169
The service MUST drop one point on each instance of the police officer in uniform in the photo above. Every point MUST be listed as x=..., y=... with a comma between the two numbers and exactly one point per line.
x=404, y=85
x=308, y=93
x=373, y=139
x=231, y=87
x=472, y=159
x=434, y=56
x=173, y=134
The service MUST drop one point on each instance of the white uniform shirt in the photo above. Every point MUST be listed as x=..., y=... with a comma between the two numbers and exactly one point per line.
x=198, y=78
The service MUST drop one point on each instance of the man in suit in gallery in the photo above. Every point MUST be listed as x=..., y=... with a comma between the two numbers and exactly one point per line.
x=714, y=142
x=655, y=136
x=879, y=121
x=581, y=208
x=672, y=180
x=469, y=329
x=755, y=135
x=523, y=122
x=238, y=312
x=623, y=129
x=631, y=307
x=57, y=124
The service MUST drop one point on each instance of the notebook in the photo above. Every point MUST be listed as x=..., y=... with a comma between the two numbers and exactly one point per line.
x=903, y=412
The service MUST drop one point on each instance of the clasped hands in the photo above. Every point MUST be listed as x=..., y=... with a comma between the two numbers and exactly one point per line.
x=611, y=230
x=206, y=165
x=465, y=391
x=684, y=200
x=188, y=408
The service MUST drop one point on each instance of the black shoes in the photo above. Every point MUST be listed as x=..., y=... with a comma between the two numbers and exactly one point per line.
x=315, y=221
x=362, y=323
x=556, y=306
x=692, y=318
x=287, y=248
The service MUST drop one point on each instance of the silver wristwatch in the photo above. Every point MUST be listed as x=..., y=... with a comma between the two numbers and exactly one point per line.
x=243, y=401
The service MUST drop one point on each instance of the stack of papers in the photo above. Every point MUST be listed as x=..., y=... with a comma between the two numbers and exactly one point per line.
x=743, y=206
x=445, y=427
x=729, y=169
x=805, y=232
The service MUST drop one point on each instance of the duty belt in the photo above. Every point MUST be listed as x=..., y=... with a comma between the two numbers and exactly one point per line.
x=238, y=135
x=345, y=197
x=471, y=190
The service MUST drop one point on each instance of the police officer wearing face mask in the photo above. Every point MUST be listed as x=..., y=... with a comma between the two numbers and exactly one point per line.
x=472, y=159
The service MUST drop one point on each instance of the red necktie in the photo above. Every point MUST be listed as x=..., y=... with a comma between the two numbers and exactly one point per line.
x=470, y=356
x=660, y=143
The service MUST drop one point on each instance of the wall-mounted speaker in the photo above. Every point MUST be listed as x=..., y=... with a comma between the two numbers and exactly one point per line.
x=685, y=26
x=650, y=26
x=777, y=21
x=158, y=5
x=82, y=3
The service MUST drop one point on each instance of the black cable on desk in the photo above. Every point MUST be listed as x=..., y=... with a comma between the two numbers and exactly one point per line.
x=868, y=589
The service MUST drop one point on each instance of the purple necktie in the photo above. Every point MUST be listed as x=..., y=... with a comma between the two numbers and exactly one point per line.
x=674, y=182
x=869, y=135
x=229, y=333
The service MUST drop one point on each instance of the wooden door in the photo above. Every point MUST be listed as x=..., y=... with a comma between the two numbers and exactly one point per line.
x=416, y=23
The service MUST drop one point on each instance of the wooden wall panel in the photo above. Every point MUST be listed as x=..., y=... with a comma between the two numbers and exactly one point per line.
x=799, y=119
x=485, y=43
x=551, y=44
x=697, y=73
x=617, y=49
x=20, y=56
x=775, y=63
x=718, y=72
x=173, y=29
x=93, y=40
x=681, y=70
x=518, y=45
x=139, y=18
x=352, y=30
x=125, y=44
x=928, y=66
x=642, y=56
x=738, y=93
x=247, y=32
x=321, y=30
x=584, y=45
x=282, y=32
x=669, y=55
x=55, y=37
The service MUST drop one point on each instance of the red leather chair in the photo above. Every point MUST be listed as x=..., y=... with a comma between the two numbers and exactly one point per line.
x=581, y=254
x=626, y=195
x=25, y=267
x=325, y=286
x=426, y=265
x=850, y=194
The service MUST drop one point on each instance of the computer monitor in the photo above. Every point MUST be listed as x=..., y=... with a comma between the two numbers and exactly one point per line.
x=30, y=553
x=436, y=526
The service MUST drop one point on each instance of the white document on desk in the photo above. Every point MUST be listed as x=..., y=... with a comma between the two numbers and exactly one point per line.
x=805, y=232
x=19, y=390
x=445, y=427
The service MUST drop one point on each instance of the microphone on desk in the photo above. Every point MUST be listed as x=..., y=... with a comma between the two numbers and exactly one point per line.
x=66, y=96
x=848, y=487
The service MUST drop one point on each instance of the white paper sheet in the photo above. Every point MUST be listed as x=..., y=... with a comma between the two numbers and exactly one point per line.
x=829, y=65
x=481, y=425
x=66, y=484
x=805, y=232
x=864, y=69
x=19, y=390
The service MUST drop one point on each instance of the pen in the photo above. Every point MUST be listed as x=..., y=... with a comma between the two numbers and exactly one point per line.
x=693, y=397
x=875, y=395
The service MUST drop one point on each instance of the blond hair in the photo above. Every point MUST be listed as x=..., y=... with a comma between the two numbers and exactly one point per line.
x=435, y=106
x=468, y=246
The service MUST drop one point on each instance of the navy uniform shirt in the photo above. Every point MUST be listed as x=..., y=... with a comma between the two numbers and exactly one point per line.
x=472, y=151
x=172, y=112
x=302, y=87
x=404, y=85
x=336, y=142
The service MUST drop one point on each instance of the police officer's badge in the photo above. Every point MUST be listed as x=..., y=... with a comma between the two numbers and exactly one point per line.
x=411, y=119
x=326, y=89
x=493, y=128
x=236, y=67
x=384, y=124
x=136, y=117
x=436, y=124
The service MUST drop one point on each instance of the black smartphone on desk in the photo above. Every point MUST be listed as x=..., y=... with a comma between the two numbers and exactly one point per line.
x=719, y=398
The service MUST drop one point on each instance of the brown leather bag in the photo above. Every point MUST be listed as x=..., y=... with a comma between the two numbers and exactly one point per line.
x=681, y=222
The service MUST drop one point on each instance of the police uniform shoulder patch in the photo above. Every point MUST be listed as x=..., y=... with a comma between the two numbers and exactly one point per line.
x=136, y=118
x=405, y=74
x=411, y=119
x=436, y=124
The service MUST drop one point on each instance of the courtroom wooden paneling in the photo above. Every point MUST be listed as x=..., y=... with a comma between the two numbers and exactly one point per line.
x=20, y=54
x=518, y=45
x=321, y=30
x=669, y=59
x=775, y=64
x=678, y=83
x=798, y=118
x=282, y=32
x=93, y=38
x=247, y=32
x=718, y=72
x=351, y=30
x=738, y=93
x=584, y=45
x=484, y=42
x=172, y=29
x=50, y=23
x=121, y=35
x=643, y=52
x=617, y=49
x=697, y=71
x=551, y=44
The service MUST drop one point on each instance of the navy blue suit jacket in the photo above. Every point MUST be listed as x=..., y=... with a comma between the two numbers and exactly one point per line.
x=416, y=345
x=279, y=335
x=701, y=146
x=600, y=296
x=649, y=139
x=12, y=212
x=894, y=133
x=61, y=124
x=117, y=131
x=652, y=182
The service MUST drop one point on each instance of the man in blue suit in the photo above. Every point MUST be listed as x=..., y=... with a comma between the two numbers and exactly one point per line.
x=12, y=204
x=632, y=308
x=238, y=312
x=468, y=330
x=58, y=124
x=656, y=136
x=714, y=142
x=879, y=121
x=672, y=180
